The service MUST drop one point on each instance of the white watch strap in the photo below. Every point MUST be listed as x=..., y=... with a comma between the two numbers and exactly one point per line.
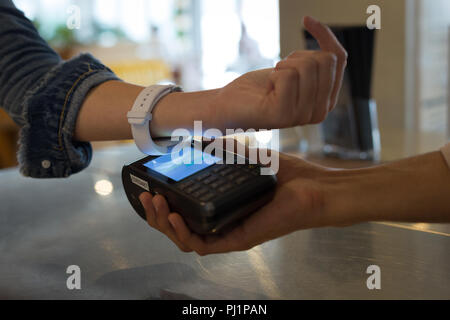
x=141, y=114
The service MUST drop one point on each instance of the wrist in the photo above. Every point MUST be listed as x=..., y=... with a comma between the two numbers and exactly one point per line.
x=349, y=197
x=179, y=110
x=410, y=190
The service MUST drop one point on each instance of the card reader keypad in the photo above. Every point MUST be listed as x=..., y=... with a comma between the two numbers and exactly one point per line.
x=218, y=180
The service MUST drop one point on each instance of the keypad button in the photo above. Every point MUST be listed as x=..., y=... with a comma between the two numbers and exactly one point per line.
x=234, y=175
x=200, y=192
x=207, y=197
x=219, y=168
x=225, y=188
x=226, y=172
x=217, y=184
x=192, y=189
x=210, y=180
x=203, y=176
x=242, y=180
x=185, y=185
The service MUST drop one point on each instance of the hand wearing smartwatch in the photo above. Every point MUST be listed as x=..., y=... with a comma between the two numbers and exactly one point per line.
x=263, y=99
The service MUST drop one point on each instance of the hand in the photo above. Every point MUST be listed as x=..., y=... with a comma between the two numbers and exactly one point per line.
x=299, y=203
x=300, y=90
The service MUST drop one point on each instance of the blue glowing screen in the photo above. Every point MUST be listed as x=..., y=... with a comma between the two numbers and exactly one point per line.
x=180, y=166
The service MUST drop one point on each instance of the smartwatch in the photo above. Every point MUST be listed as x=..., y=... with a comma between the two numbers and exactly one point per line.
x=140, y=117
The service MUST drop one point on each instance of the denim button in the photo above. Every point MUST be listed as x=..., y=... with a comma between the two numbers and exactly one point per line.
x=46, y=164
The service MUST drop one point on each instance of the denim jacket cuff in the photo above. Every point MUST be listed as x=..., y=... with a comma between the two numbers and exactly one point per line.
x=46, y=146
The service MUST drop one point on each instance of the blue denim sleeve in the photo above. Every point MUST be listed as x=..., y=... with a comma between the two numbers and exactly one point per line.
x=43, y=95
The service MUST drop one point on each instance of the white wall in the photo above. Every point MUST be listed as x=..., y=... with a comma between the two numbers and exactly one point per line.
x=433, y=55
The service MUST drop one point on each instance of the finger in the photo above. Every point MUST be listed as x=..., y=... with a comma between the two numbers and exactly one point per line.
x=185, y=236
x=307, y=69
x=328, y=42
x=326, y=81
x=162, y=213
x=262, y=226
x=285, y=95
x=324, y=36
x=327, y=62
x=146, y=201
x=203, y=245
x=162, y=221
x=236, y=240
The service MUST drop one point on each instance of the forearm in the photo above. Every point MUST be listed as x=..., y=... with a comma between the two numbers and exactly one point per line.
x=410, y=190
x=103, y=115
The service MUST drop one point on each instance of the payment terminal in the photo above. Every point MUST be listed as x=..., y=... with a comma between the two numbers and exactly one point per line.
x=210, y=196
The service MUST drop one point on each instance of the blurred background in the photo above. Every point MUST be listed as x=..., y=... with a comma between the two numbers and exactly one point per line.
x=202, y=44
